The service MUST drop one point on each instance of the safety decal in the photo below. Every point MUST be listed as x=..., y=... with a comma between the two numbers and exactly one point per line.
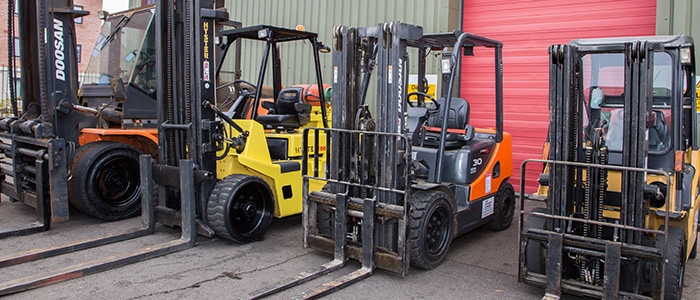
x=487, y=208
x=487, y=184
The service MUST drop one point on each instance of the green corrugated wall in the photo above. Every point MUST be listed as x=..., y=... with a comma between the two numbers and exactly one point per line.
x=679, y=17
x=321, y=15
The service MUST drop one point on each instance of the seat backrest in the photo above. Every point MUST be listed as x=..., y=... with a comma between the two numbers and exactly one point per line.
x=457, y=117
x=286, y=100
x=659, y=132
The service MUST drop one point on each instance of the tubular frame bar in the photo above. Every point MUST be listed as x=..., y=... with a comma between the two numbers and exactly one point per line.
x=525, y=276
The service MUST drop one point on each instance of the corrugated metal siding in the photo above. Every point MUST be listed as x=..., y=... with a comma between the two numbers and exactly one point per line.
x=321, y=16
x=527, y=28
x=679, y=17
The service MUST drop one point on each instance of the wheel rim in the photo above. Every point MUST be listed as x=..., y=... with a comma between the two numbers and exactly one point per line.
x=249, y=210
x=117, y=182
x=437, y=230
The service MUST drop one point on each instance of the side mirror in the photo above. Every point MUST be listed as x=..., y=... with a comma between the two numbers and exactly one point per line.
x=118, y=89
x=323, y=48
x=103, y=15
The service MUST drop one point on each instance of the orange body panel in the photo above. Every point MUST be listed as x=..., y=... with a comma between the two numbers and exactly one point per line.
x=501, y=153
x=144, y=139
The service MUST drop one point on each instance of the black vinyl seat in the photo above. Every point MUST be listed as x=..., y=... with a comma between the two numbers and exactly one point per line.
x=659, y=138
x=289, y=111
x=457, y=118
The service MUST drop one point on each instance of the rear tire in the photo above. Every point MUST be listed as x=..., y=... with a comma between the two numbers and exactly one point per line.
x=676, y=261
x=504, y=208
x=240, y=208
x=431, y=221
x=535, y=250
x=105, y=180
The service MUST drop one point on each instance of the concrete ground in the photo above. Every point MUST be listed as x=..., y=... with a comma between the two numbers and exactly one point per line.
x=480, y=265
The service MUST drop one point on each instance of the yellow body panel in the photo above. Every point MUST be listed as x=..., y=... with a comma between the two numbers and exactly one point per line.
x=255, y=160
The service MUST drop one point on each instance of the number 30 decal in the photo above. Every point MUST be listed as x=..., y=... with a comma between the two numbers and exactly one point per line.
x=477, y=161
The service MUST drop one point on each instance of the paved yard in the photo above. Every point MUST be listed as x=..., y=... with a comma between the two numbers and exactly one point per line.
x=480, y=265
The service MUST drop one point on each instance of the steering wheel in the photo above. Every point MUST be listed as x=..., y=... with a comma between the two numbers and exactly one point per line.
x=437, y=105
x=237, y=84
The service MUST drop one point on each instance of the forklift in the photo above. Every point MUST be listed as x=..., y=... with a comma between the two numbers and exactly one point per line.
x=620, y=177
x=176, y=42
x=248, y=150
x=96, y=132
x=407, y=173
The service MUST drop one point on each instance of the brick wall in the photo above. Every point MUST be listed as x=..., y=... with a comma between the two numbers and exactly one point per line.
x=86, y=32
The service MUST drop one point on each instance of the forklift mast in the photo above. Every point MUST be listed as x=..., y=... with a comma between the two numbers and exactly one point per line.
x=188, y=127
x=38, y=146
x=49, y=67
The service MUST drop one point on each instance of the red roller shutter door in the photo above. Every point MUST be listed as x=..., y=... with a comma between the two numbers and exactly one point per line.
x=526, y=29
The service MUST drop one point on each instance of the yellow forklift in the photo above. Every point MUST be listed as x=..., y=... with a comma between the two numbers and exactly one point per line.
x=248, y=150
x=621, y=178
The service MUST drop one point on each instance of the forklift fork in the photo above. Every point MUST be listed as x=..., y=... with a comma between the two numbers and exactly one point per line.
x=365, y=209
x=186, y=240
x=559, y=242
x=49, y=163
x=339, y=256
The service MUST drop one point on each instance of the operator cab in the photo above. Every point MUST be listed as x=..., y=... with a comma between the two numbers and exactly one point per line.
x=124, y=53
x=671, y=119
x=292, y=107
x=463, y=145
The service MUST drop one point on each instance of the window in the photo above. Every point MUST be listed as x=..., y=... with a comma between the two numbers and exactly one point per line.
x=16, y=46
x=78, y=8
x=78, y=51
x=16, y=8
x=603, y=87
x=18, y=88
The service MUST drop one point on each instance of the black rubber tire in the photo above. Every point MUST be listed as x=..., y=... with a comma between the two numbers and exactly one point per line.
x=431, y=215
x=694, y=252
x=325, y=216
x=534, y=250
x=240, y=208
x=676, y=261
x=504, y=208
x=105, y=181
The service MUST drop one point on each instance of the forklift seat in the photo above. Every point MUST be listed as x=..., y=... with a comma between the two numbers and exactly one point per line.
x=658, y=134
x=458, y=115
x=289, y=111
x=457, y=121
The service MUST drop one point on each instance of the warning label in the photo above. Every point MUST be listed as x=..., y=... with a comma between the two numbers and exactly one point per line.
x=487, y=208
x=697, y=93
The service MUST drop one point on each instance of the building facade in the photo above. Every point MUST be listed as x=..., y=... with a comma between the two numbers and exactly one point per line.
x=87, y=29
x=527, y=29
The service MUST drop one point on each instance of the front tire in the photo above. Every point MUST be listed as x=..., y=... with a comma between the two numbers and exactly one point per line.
x=673, y=286
x=240, y=208
x=504, y=209
x=431, y=221
x=105, y=180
